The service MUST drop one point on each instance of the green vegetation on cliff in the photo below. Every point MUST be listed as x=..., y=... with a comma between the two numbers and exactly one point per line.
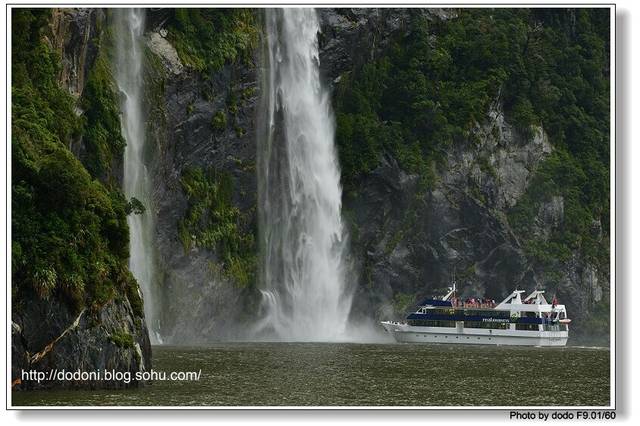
x=212, y=221
x=565, y=79
x=69, y=232
x=436, y=81
x=122, y=339
x=102, y=136
x=206, y=39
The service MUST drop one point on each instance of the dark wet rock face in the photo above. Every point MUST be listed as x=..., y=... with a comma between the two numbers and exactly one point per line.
x=460, y=228
x=74, y=31
x=47, y=337
x=199, y=305
x=351, y=37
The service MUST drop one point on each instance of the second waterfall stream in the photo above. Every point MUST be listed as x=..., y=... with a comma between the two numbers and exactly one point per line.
x=129, y=61
x=303, y=244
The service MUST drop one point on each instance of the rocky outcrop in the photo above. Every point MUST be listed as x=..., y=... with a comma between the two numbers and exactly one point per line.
x=48, y=337
x=73, y=35
x=414, y=243
x=159, y=45
x=351, y=37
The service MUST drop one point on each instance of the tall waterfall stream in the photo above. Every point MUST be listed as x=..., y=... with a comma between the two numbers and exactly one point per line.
x=305, y=295
x=129, y=58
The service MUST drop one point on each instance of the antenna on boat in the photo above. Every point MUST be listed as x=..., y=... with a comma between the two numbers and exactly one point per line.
x=451, y=294
x=453, y=281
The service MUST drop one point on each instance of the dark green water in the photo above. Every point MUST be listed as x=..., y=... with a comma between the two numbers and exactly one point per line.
x=362, y=374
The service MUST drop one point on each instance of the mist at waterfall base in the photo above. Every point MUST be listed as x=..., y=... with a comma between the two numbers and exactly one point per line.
x=304, y=276
x=129, y=61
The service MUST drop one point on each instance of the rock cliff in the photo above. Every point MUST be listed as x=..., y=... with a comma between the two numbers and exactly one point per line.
x=63, y=323
x=406, y=242
x=407, y=239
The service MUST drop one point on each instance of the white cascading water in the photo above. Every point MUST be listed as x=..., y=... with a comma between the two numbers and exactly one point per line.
x=305, y=296
x=129, y=29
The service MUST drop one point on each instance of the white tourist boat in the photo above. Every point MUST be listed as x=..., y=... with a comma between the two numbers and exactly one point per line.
x=529, y=322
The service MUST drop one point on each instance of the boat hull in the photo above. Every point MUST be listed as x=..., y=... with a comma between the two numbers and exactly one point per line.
x=405, y=333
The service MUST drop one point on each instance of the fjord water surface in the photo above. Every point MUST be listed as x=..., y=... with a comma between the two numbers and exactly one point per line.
x=330, y=374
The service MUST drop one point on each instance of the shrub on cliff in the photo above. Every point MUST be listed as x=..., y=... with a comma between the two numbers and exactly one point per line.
x=206, y=39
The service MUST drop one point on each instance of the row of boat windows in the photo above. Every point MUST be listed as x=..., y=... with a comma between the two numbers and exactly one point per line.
x=489, y=325
x=529, y=327
x=545, y=327
x=486, y=313
x=467, y=324
x=470, y=312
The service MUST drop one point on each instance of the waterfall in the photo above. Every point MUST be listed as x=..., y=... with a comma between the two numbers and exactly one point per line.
x=129, y=58
x=302, y=271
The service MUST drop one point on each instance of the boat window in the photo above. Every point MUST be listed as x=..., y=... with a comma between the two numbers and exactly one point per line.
x=431, y=323
x=530, y=327
x=490, y=313
x=441, y=311
x=486, y=324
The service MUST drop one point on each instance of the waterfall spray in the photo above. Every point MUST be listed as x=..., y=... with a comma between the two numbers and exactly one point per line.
x=305, y=296
x=129, y=29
